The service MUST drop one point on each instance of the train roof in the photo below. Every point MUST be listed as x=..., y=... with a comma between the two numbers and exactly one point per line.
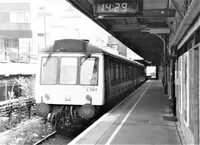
x=77, y=45
x=72, y=45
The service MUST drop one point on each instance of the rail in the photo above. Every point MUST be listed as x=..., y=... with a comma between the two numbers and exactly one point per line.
x=8, y=107
x=45, y=138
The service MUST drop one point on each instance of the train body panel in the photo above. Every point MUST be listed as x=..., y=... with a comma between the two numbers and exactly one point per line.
x=116, y=90
x=71, y=94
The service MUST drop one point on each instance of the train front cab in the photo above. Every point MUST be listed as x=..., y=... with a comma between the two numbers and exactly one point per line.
x=68, y=80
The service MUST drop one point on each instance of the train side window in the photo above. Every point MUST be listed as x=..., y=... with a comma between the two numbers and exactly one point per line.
x=131, y=73
x=112, y=70
x=121, y=71
x=128, y=72
x=124, y=72
x=117, y=71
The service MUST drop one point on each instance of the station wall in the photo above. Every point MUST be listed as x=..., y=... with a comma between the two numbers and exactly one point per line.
x=187, y=90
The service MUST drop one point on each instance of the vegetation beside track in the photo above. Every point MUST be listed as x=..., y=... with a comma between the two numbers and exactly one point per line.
x=26, y=133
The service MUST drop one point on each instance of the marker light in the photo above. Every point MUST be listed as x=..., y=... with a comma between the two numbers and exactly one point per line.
x=88, y=98
x=47, y=96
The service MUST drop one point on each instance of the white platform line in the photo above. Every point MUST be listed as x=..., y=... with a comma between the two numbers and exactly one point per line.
x=127, y=115
x=75, y=140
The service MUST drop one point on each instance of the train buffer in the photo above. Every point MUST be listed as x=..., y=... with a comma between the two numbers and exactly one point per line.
x=143, y=118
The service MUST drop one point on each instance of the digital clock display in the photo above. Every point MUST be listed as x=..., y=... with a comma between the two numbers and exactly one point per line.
x=118, y=6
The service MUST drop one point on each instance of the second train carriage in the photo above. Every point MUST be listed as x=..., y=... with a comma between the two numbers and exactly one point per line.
x=76, y=78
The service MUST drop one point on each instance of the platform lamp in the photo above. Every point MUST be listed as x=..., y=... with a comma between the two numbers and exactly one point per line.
x=157, y=33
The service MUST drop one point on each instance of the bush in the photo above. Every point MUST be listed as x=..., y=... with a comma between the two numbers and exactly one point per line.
x=27, y=86
x=24, y=87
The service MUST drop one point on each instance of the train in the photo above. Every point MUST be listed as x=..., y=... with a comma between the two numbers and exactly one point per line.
x=76, y=79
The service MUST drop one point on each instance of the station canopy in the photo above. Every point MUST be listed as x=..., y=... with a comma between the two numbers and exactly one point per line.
x=141, y=25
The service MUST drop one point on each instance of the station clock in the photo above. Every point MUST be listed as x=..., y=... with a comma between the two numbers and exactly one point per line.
x=118, y=7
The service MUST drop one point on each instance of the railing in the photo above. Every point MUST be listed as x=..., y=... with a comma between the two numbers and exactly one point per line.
x=16, y=107
x=11, y=51
x=16, y=57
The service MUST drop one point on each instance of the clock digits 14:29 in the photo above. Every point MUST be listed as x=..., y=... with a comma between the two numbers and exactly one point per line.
x=116, y=7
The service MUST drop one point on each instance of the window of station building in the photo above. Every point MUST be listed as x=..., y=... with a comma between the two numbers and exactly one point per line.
x=2, y=44
x=25, y=49
x=11, y=48
x=25, y=44
x=12, y=42
x=2, y=49
x=20, y=17
x=68, y=70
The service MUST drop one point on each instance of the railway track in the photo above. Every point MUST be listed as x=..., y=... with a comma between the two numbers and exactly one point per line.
x=66, y=137
x=45, y=138
x=57, y=138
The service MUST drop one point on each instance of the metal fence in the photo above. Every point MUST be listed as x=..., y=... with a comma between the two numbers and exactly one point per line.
x=16, y=107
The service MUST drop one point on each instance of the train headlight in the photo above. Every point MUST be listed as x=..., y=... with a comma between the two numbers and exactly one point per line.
x=42, y=109
x=47, y=96
x=87, y=111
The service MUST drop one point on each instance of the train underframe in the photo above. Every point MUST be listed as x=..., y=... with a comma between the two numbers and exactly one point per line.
x=67, y=117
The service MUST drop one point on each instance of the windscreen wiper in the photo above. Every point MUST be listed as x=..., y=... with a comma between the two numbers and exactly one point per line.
x=47, y=60
x=87, y=56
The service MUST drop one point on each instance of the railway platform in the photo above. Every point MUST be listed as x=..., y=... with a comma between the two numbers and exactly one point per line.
x=142, y=118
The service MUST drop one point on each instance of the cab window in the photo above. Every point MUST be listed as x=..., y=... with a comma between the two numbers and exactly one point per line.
x=89, y=71
x=68, y=70
x=49, y=70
